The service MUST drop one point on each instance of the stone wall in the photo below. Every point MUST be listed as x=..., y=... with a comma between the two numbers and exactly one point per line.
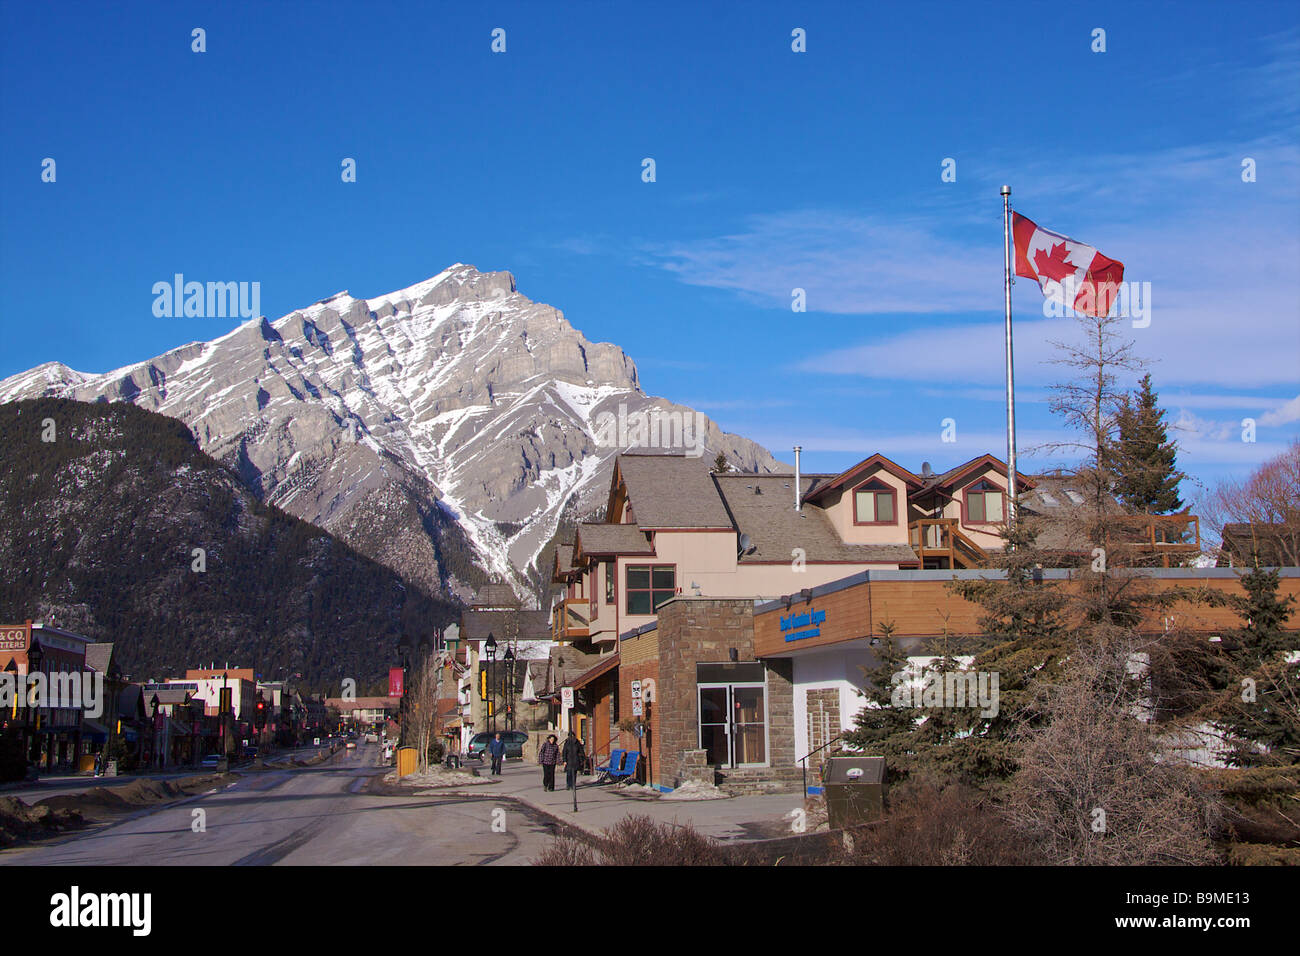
x=694, y=630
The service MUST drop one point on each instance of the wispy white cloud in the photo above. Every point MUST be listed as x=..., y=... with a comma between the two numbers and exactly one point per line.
x=1284, y=415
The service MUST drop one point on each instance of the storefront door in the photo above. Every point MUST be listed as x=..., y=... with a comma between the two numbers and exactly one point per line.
x=733, y=715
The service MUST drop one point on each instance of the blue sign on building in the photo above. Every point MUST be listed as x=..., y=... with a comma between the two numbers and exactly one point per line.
x=797, y=627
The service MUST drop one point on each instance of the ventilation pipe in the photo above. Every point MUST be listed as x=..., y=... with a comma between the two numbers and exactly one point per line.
x=797, y=482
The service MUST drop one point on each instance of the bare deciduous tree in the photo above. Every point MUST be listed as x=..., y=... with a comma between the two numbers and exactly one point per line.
x=1092, y=787
x=1260, y=516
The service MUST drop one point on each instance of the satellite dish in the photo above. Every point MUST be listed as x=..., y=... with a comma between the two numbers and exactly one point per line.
x=746, y=545
x=926, y=470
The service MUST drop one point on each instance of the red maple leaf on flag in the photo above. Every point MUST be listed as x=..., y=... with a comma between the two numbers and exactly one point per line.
x=1055, y=266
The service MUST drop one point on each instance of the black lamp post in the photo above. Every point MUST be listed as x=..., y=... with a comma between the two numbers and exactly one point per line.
x=12, y=670
x=510, y=688
x=153, y=712
x=35, y=658
x=490, y=649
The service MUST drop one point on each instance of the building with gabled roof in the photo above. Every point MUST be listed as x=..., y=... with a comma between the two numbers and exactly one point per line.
x=676, y=532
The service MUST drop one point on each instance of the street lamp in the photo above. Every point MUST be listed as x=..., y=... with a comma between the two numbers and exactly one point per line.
x=12, y=670
x=35, y=658
x=490, y=649
x=510, y=688
x=157, y=734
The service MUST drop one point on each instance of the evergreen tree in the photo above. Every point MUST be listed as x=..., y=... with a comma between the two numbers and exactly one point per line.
x=720, y=464
x=1258, y=677
x=1147, y=476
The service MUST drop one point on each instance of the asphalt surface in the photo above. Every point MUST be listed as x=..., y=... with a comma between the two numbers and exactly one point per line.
x=306, y=816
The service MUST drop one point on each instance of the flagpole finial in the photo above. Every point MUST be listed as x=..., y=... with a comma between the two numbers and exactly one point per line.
x=1006, y=190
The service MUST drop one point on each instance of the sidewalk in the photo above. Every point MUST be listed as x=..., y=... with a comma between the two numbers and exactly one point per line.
x=751, y=817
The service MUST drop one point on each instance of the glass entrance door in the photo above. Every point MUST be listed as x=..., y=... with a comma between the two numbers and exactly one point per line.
x=733, y=724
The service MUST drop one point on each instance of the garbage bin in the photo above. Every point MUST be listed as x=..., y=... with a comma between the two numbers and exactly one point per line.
x=855, y=790
x=406, y=761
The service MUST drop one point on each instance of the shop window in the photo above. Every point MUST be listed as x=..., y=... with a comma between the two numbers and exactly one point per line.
x=984, y=503
x=648, y=586
x=873, y=503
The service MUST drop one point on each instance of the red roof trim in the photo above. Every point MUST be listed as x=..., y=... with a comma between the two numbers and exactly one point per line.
x=876, y=460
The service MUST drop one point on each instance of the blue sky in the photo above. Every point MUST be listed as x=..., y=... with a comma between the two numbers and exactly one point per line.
x=775, y=170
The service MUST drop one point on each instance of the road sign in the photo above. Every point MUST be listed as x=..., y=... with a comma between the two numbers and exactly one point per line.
x=636, y=709
x=566, y=696
x=636, y=690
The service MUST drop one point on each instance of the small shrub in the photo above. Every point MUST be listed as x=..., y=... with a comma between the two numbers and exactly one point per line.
x=929, y=824
x=639, y=841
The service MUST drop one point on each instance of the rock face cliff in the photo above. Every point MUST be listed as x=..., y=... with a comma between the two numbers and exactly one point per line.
x=442, y=430
x=114, y=524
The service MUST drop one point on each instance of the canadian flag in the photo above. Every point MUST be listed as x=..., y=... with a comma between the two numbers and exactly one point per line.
x=1068, y=272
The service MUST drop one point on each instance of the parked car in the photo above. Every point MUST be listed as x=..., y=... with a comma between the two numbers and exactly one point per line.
x=211, y=761
x=513, y=739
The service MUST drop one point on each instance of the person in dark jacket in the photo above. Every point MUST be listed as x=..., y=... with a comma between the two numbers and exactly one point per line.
x=497, y=751
x=548, y=755
x=573, y=756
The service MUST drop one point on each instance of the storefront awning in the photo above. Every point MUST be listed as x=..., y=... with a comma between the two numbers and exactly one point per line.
x=93, y=731
x=601, y=669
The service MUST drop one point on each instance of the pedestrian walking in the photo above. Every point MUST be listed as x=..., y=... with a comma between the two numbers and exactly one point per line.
x=548, y=755
x=497, y=751
x=573, y=756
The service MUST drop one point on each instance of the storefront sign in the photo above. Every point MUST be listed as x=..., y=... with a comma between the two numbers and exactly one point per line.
x=394, y=682
x=13, y=637
x=797, y=627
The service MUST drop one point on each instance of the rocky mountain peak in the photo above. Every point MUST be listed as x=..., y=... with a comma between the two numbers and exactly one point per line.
x=442, y=429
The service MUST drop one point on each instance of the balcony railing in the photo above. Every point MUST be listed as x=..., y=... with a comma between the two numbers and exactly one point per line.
x=1164, y=534
x=569, y=619
x=942, y=538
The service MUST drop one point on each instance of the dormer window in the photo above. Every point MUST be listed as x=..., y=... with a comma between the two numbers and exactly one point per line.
x=873, y=503
x=984, y=503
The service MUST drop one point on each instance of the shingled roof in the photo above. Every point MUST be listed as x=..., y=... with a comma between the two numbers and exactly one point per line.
x=671, y=491
x=495, y=595
x=476, y=625
x=763, y=508
x=596, y=538
x=99, y=657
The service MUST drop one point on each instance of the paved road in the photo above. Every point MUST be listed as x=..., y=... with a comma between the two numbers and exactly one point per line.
x=54, y=784
x=311, y=816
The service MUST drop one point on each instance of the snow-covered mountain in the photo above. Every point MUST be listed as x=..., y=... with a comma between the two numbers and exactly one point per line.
x=443, y=429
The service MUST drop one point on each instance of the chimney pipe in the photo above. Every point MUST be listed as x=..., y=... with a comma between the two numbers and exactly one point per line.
x=797, y=482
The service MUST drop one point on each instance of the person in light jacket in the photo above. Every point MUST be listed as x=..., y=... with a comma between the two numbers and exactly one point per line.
x=548, y=755
x=497, y=751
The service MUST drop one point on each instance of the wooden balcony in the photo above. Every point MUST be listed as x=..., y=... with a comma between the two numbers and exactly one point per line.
x=1165, y=535
x=569, y=619
x=939, y=540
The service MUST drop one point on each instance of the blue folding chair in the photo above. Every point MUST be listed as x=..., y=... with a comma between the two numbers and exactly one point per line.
x=628, y=770
x=615, y=764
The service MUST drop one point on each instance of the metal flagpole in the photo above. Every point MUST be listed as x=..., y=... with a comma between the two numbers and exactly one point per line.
x=1011, y=381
